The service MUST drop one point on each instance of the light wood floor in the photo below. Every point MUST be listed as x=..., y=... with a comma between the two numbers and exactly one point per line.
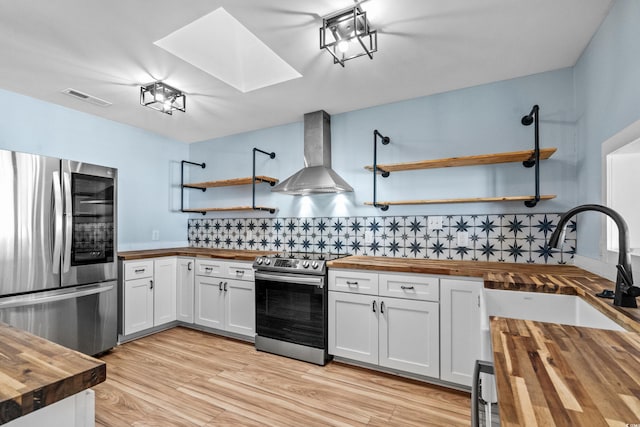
x=183, y=377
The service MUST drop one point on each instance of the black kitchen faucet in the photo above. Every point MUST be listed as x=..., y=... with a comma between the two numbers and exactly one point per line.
x=625, y=292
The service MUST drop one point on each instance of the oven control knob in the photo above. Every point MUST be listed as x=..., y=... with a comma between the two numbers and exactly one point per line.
x=259, y=261
x=267, y=261
x=314, y=264
x=305, y=264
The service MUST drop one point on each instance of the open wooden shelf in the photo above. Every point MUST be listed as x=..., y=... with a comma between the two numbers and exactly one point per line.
x=482, y=159
x=253, y=180
x=463, y=200
x=233, y=208
x=231, y=182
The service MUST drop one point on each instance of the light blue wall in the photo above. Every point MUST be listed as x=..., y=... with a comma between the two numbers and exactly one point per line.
x=148, y=165
x=478, y=120
x=607, y=85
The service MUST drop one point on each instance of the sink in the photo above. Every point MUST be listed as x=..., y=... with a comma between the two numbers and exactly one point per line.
x=542, y=307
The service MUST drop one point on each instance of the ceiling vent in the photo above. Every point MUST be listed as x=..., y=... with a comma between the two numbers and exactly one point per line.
x=86, y=97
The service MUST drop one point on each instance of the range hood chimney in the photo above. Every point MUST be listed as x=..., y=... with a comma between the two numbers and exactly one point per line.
x=317, y=176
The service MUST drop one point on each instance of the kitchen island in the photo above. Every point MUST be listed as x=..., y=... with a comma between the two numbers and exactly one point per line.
x=35, y=374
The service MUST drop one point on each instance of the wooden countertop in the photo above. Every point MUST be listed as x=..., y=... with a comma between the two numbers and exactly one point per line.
x=447, y=267
x=557, y=375
x=35, y=372
x=239, y=255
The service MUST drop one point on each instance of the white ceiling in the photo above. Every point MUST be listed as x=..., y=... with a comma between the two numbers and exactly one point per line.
x=106, y=49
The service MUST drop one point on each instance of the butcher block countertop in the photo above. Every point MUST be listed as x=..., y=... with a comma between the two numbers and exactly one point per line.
x=558, y=375
x=238, y=255
x=35, y=373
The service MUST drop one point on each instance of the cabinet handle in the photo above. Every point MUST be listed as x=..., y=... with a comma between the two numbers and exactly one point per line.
x=478, y=300
x=405, y=288
x=150, y=284
x=239, y=271
x=374, y=306
x=382, y=307
x=352, y=283
x=139, y=270
x=225, y=286
x=189, y=266
x=208, y=268
x=220, y=286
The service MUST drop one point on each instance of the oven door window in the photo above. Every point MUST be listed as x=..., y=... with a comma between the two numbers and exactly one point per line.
x=93, y=219
x=291, y=312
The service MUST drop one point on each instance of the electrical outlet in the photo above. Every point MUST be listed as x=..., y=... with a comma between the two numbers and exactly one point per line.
x=434, y=223
x=463, y=238
x=155, y=235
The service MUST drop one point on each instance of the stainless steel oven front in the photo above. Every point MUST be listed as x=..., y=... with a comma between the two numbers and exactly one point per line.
x=291, y=315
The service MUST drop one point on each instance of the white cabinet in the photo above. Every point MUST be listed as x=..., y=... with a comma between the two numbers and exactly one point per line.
x=353, y=326
x=409, y=336
x=164, y=291
x=354, y=281
x=240, y=307
x=225, y=296
x=138, y=305
x=398, y=333
x=149, y=294
x=210, y=302
x=138, y=296
x=185, y=289
x=460, y=324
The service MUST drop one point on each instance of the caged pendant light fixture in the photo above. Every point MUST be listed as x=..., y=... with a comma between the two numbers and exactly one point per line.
x=162, y=97
x=346, y=35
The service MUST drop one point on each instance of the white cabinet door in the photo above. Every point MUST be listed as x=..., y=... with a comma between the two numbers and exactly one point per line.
x=240, y=307
x=185, y=283
x=210, y=302
x=409, y=336
x=138, y=305
x=353, y=326
x=461, y=329
x=164, y=290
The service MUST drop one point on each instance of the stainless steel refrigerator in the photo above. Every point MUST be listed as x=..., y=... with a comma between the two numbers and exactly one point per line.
x=58, y=268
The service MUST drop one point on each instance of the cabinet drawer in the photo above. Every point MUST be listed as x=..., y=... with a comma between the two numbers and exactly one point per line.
x=355, y=281
x=239, y=270
x=138, y=269
x=210, y=268
x=410, y=286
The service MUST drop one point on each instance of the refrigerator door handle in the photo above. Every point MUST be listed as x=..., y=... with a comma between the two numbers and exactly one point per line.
x=63, y=294
x=57, y=218
x=68, y=219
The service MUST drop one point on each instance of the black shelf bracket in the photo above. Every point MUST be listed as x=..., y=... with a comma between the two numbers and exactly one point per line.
x=183, y=185
x=385, y=140
x=271, y=155
x=534, y=160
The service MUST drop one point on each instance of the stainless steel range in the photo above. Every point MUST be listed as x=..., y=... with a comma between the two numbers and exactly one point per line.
x=291, y=305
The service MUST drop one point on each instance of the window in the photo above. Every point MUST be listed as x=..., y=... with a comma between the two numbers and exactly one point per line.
x=622, y=172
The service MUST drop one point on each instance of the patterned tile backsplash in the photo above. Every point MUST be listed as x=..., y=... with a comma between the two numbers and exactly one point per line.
x=505, y=238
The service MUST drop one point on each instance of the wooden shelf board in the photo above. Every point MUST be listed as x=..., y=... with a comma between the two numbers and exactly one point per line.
x=463, y=200
x=482, y=159
x=231, y=182
x=231, y=208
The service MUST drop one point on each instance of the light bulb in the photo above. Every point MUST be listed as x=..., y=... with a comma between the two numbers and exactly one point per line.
x=343, y=46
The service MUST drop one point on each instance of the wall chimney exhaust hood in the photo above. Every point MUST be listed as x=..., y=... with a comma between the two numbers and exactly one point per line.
x=317, y=176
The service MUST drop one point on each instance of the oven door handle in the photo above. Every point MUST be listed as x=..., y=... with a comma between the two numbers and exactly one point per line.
x=297, y=279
